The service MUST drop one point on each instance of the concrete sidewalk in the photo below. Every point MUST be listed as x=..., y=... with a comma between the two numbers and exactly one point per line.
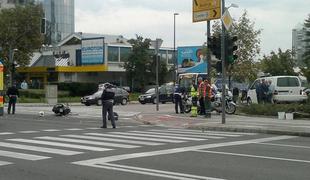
x=235, y=123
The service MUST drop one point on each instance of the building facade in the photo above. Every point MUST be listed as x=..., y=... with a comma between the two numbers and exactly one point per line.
x=299, y=44
x=60, y=23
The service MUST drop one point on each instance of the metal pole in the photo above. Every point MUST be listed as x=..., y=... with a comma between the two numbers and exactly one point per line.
x=157, y=83
x=223, y=67
x=209, y=53
x=176, y=64
x=10, y=65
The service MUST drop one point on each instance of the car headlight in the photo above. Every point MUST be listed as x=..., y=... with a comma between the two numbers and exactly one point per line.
x=148, y=96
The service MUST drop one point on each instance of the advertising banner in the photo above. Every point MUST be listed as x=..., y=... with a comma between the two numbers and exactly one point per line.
x=92, y=51
x=191, y=60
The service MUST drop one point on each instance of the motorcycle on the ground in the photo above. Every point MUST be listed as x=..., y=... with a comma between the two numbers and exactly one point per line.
x=216, y=104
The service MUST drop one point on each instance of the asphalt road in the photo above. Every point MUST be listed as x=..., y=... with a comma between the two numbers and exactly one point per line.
x=74, y=148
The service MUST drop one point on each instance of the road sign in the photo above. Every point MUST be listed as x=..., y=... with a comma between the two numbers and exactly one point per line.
x=204, y=10
x=227, y=20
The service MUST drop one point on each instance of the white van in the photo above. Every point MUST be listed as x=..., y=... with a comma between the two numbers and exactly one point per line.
x=287, y=89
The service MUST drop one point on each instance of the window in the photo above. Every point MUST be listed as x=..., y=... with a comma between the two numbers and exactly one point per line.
x=163, y=55
x=170, y=57
x=124, y=53
x=112, y=54
x=287, y=82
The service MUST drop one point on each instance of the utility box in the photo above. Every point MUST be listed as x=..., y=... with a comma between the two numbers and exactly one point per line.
x=51, y=94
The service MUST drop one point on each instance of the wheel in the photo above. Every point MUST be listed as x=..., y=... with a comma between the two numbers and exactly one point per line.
x=87, y=104
x=142, y=102
x=187, y=108
x=124, y=101
x=154, y=101
x=249, y=101
x=99, y=102
x=164, y=102
x=230, y=108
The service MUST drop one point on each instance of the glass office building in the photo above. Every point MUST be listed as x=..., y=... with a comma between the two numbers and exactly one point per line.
x=59, y=16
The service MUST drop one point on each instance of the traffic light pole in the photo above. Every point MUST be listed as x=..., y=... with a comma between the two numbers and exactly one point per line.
x=223, y=67
x=209, y=53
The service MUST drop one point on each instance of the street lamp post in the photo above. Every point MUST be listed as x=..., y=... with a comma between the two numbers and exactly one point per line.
x=157, y=43
x=176, y=64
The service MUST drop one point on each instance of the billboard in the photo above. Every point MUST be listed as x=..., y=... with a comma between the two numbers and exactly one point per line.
x=92, y=51
x=191, y=60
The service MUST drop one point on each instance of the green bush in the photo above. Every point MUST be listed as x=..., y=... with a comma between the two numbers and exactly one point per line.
x=39, y=93
x=134, y=96
x=78, y=89
x=301, y=110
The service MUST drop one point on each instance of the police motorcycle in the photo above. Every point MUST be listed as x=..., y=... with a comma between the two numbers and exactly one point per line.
x=216, y=103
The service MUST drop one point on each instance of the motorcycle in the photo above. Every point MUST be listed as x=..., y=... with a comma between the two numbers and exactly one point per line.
x=216, y=104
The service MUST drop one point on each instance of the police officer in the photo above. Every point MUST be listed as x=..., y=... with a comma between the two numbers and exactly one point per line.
x=12, y=93
x=201, y=96
x=194, y=100
x=178, y=93
x=107, y=98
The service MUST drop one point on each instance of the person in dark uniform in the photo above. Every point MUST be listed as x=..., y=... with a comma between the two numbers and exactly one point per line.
x=12, y=93
x=178, y=94
x=107, y=98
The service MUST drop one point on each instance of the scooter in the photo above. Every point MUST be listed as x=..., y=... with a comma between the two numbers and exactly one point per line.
x=216, y=104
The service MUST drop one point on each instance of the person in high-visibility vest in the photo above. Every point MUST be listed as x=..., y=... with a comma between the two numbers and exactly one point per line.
x=194, y=95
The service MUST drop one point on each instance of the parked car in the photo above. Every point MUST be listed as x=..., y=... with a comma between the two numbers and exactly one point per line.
x=287, y=89
x=121, y=97
x=165, y=95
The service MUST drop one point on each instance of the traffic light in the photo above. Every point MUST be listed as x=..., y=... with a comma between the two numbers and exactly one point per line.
x=230, y=49
x=214, y=45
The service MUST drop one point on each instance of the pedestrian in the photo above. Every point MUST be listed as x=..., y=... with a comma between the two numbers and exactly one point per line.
x=207, y=94
x=201, y=96
x=235, y=94
x=12, y=93
x=264, y=89
x=107, y=98
x=271, y=89
x=24, y=85
x=194, y=100
x=178, y=94
x=258, y=91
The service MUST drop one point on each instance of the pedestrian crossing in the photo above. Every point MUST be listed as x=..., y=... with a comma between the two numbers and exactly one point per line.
x=90, y=140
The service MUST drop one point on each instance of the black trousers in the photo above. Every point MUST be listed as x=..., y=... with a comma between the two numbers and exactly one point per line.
x=12, y=102
x=202, y=106
x=178, y=103
x=107, y=109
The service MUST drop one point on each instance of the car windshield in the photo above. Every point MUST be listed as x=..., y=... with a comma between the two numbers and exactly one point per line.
x=150, y=91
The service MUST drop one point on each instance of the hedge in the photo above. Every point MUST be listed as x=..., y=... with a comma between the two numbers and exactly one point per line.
x=78, y=89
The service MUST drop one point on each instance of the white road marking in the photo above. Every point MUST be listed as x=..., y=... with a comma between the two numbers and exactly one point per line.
x=74, y=129
x=157, y=136
x=6, y=133
x=51, y=130
x=3, y=163
x=61, y=144
x=28, y=132
x=39, y=149
x=209, y=131
x=137, y=138
x=153, y=172
x=87, y=142
x=93, y=128
x=206, y=133
x=285, y=145
x=177, y=150
x=253, y=156
x=114, y=140
x=16, y=155
x=179, y=134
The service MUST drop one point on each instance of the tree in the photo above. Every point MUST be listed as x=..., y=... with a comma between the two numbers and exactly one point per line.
x=20, y=30
x=306, y=57
x=248, y=47
x=281, y=63
x=139, y=62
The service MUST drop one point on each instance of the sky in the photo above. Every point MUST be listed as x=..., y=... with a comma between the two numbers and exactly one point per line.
x=154, y=19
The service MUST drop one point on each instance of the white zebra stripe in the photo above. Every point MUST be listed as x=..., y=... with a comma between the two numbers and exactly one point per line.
x=6, y=133
x=17, y=155
x=179, y=134
x=210, y=133
x=87, y=142
x=157, y=136
x=39, y=149
x=3, y=163
x=135, y=137
x=114, y=140
x=221, y=132
x=49, y=143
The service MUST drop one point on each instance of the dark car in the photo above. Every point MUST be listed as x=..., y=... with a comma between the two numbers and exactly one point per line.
x=165, y=95
x=121, y=97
